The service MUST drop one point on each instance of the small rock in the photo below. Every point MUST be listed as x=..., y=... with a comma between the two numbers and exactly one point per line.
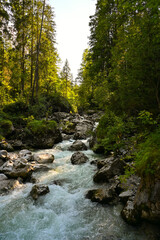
x=3, y=154
x=39, y=190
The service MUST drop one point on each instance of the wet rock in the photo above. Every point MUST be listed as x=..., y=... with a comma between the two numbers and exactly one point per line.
x=18, y=168
x=43, y=157
x=39, y=190
x=78, y=146
x=107, y=196
x=79, y=158
x=8, y=185
x=26, y=154
x=41, y=168
x=3, y=155
x=109, y=171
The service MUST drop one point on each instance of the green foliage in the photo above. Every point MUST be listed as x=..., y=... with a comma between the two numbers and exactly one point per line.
x=148, y=156
x=146, y=118
x=6, y=127
x=41, y=127
x=18, y=107
x=110, y=131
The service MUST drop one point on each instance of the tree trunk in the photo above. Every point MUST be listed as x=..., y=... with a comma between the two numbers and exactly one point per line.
x=36, y=76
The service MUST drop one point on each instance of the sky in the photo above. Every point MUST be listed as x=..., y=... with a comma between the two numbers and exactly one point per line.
x=72, y=29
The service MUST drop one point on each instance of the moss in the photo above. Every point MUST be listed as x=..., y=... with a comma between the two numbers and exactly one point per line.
x=40, y=127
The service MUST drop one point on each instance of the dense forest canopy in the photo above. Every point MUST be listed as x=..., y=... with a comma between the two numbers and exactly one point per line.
x=29, y=61
x=121, y=68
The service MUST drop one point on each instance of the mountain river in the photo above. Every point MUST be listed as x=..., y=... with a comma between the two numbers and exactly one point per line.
x=64, y=213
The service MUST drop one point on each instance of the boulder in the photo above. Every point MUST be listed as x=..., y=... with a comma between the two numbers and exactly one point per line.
x=130, y=214
x=3, y=155
x=79, y=158
x=17, y=168
x=109, y=171
x=3, y=177
x=102, y=163
x=43, y=157
x=26, y=154
x=39, y=190
x=83, y=129
x=78, y=146
x=107, y=196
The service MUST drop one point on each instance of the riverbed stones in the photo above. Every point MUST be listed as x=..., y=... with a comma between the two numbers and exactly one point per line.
x=17, y=168
x=79, y=158
x=39, y=190
x=77, y=146
x=43, y=157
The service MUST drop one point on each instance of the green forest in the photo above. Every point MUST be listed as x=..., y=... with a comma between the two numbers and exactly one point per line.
x=119, y=75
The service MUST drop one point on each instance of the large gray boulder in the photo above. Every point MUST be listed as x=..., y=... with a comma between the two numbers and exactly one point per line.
x=43, y=157
x=39, y=190
x=83, y=129
x=79, y=158
x=78, y=146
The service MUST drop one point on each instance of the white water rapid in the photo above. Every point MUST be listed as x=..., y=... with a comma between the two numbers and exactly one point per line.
x=64, y=213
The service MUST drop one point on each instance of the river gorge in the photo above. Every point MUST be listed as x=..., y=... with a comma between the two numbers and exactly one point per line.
x=64, y=213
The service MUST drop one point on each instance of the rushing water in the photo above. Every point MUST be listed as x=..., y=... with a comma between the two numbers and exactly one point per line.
x=64, y=213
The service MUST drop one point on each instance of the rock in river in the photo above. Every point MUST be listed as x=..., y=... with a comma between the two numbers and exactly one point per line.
x=39, y=190
x=78, y=146
x=79, y=158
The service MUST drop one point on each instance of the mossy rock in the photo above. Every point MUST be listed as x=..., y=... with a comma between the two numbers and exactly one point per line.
x=42, y=134
x=41, y=127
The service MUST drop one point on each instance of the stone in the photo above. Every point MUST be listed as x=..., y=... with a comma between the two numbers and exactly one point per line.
x=130, y=214
x=124, y=196
x=8, y=185
x=43, y=157
x=102, y=163
x=3, y=177
x=107, y=196
x=77, y=146
x=18, y=168
x=3, y=154
x=26, y=154
x=83, y=129
x=39, y=190
x=79, y=158
x=109, y=171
